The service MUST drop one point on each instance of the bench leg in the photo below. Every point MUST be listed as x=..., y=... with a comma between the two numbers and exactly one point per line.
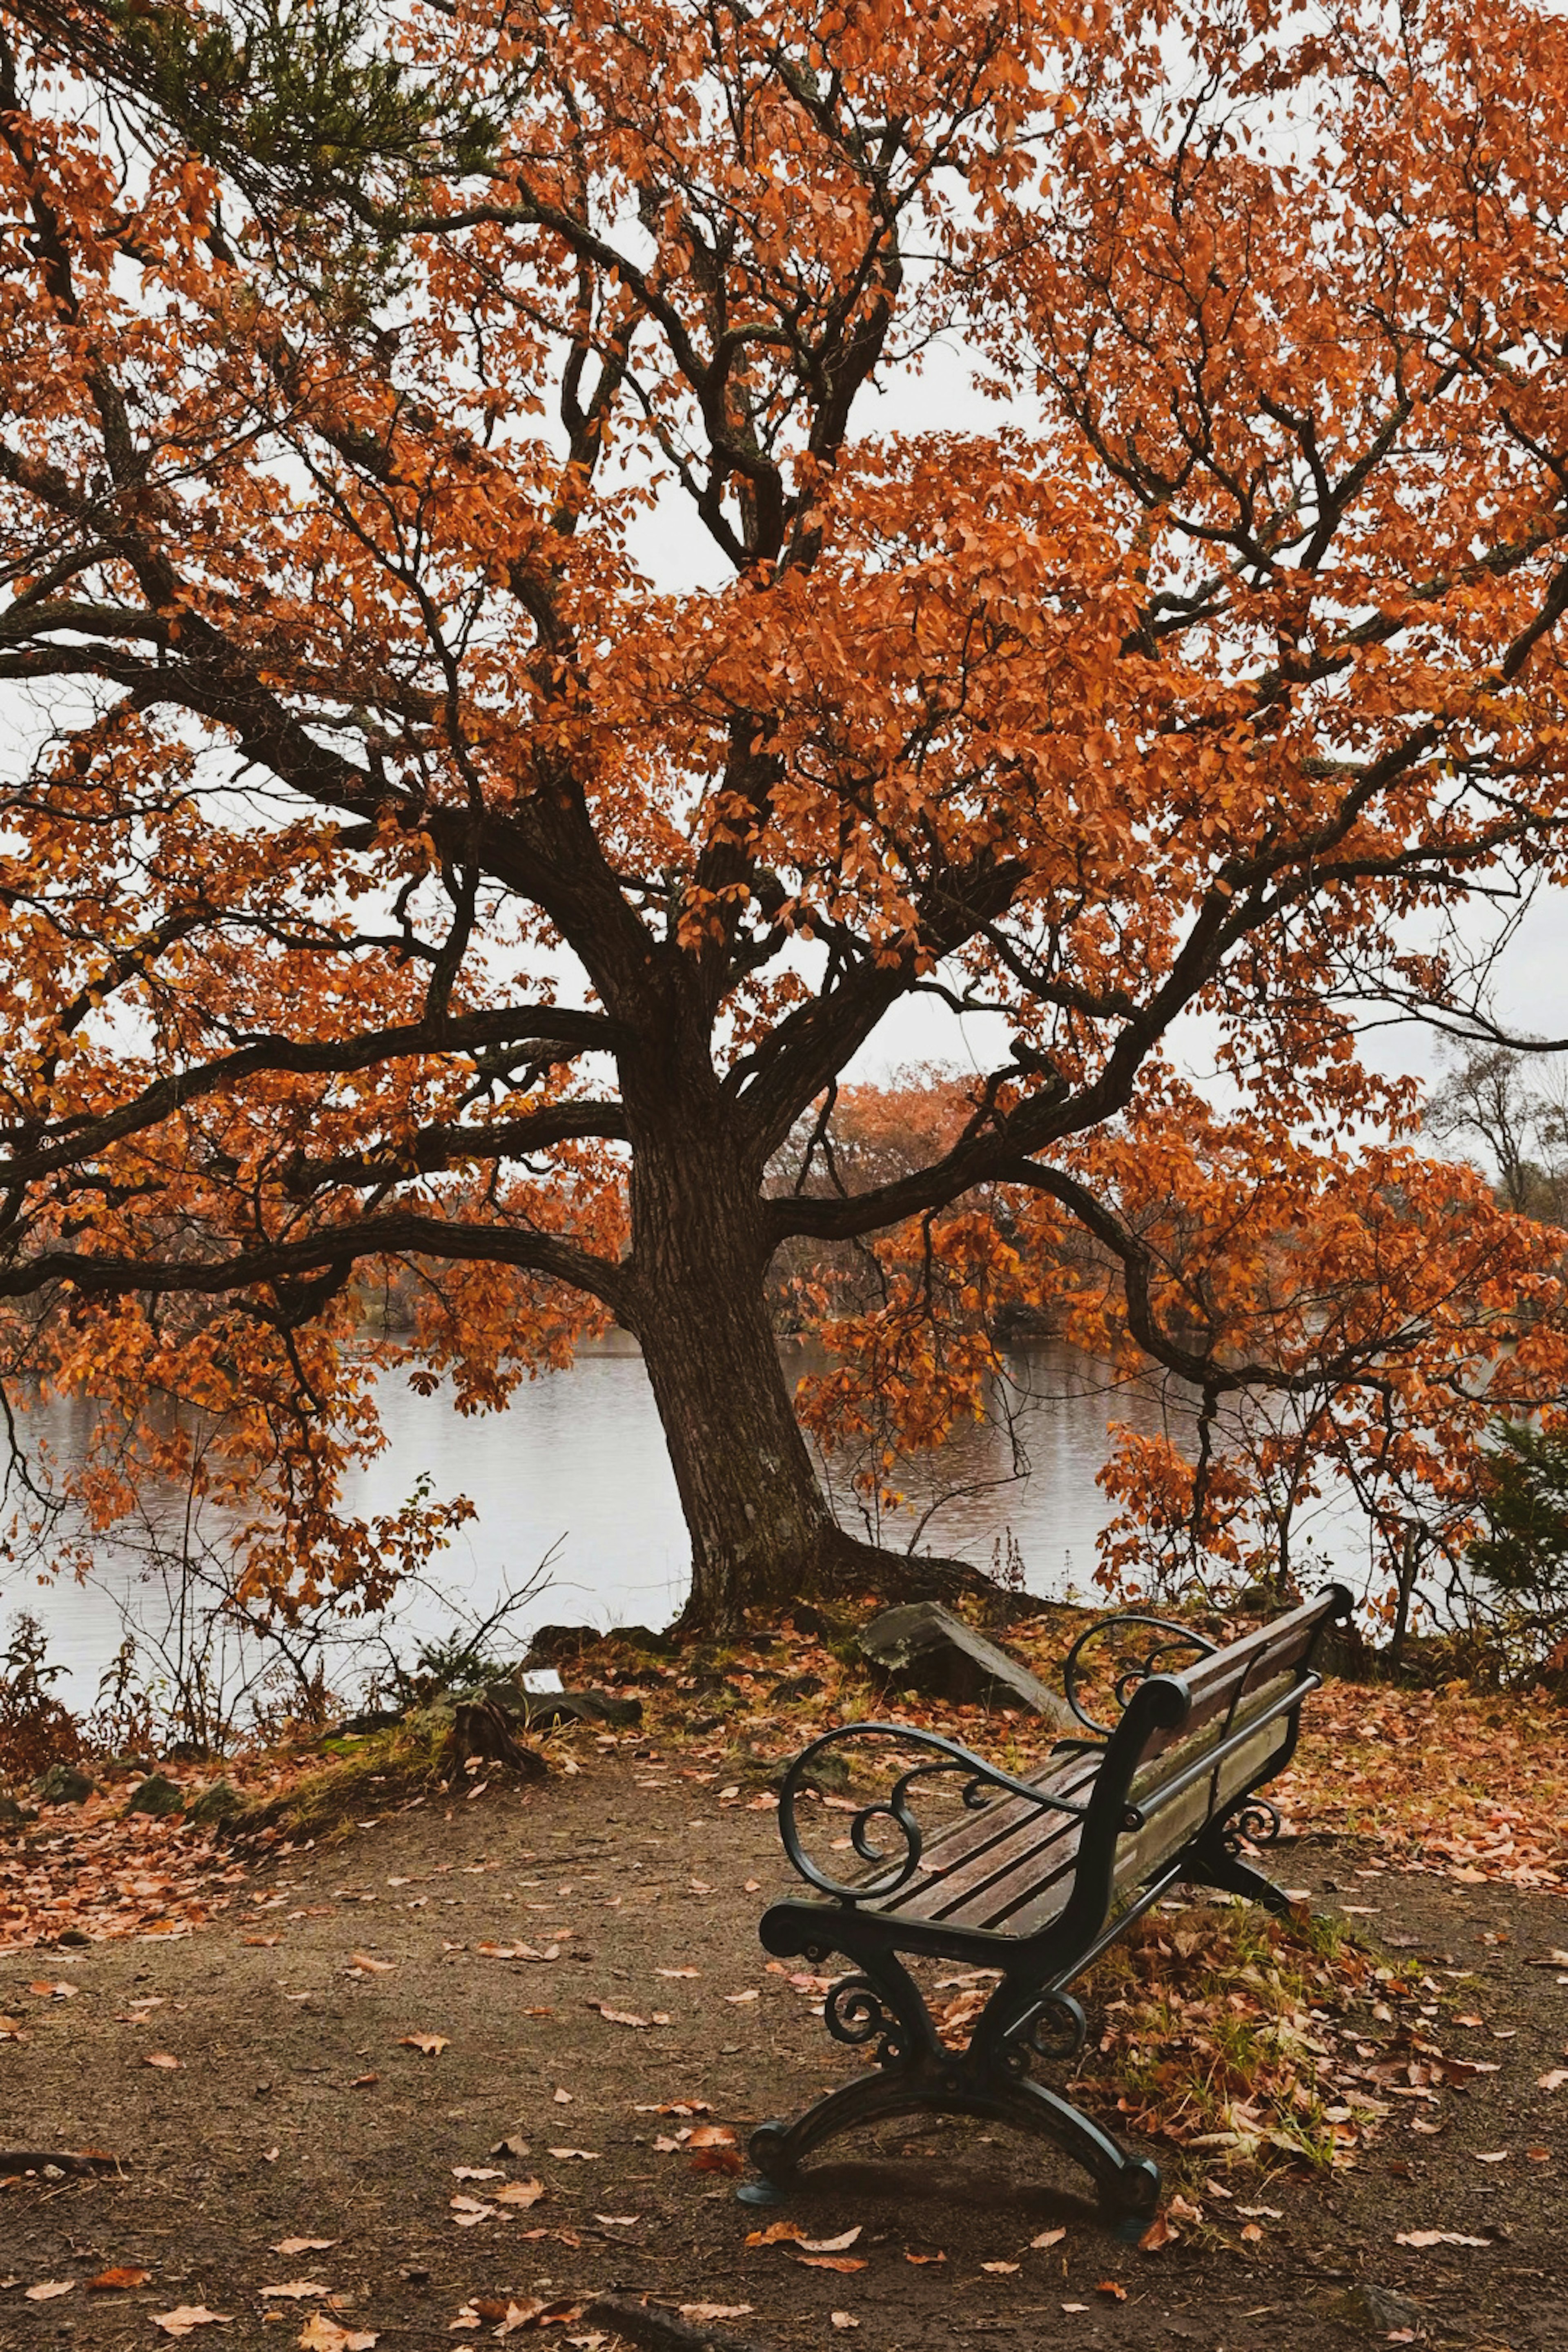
x=1127, y=2184
x=916, y=2074
x=1214, y=1859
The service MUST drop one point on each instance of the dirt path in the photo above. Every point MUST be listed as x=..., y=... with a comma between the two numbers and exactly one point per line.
x=296, y=2109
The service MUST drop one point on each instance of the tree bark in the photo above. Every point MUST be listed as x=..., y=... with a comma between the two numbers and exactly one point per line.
x=762, y=1529
x=760, y=1524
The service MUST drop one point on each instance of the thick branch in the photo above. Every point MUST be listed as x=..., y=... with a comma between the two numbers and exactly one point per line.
x=453, y=1145
x=397, y=1234
x=75, y=1140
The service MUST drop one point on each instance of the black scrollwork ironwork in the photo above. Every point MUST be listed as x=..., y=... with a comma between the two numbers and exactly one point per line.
x=1256, y=1820
x=895, y=1859
x=1156, y=1660
x=1056, y=2029
x=854, y=2011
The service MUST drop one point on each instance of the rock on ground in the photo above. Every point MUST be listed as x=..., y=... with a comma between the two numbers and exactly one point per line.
x=923, y=1646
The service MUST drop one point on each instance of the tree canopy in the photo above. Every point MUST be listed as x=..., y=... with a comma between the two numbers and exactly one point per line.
x=422, y=855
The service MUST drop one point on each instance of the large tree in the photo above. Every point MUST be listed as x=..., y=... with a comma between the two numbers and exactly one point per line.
x=516, y=712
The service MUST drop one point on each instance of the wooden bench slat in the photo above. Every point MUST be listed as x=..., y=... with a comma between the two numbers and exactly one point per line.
x=1030, y=1844
x=974, y=1849
x=1028, y=1895
x=1001, y=1873
x=1261, y=1657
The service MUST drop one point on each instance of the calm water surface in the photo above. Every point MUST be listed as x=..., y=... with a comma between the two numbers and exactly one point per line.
x=576, y=1470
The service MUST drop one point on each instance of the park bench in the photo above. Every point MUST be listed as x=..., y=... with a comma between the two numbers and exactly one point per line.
x=1036, y=1877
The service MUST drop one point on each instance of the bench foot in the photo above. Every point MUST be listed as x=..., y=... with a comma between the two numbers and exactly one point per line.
x=763, y=2192
x=1127, y=2184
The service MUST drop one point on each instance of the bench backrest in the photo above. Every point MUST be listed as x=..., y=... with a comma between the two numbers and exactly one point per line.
x=1189, y=1746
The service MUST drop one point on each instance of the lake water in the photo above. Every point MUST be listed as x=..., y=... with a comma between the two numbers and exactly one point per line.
x=576, y=1470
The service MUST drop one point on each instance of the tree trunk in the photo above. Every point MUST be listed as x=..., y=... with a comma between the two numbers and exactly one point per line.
x=760, y=1524
x=761, y=1531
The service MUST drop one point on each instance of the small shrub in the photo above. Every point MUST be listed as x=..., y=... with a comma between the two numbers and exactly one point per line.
x=36, y=1728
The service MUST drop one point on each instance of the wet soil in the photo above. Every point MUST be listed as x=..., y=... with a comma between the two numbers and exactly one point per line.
x=297, y=2109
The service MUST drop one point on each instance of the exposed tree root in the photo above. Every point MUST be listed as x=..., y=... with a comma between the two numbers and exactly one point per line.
x=846, y=1567
x=482, y=1732
x=659, y=2330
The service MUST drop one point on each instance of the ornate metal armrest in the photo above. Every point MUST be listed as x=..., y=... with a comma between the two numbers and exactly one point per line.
x=1154, y=1661
x=899, y=1862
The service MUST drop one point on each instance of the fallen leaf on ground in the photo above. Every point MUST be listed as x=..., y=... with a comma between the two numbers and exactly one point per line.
x=777, y=2233
x=714, y=2310
x=921, y=2258
x=562, y=2098
x=513, y=2145
x=59, y=1992
x=828, y=2245
x=531, y=2314
x=122, y=2275
x=618, y=2221
x=160, y=2058
x=1157, y=2235
x=836, y=2262
x=362, y=2083
x=478, y=2172
x=1496, y=2155
x=617, y=2016
x=677, y=1973
x=584, y=2155
x=519, y=2192
x=180, y=2321
x=1438, y=2238
x=372, y=1966
x=47, y=2289
x=1553, y=2080
x=305, y=2245
x=996, y=2268
x=323, y=2335
x=843, y=2319
x=432, y=2045
x=709, y=2135
x=296, y=2290
x=717, y=2159
x=742, y=1996
x=1110, y=2286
